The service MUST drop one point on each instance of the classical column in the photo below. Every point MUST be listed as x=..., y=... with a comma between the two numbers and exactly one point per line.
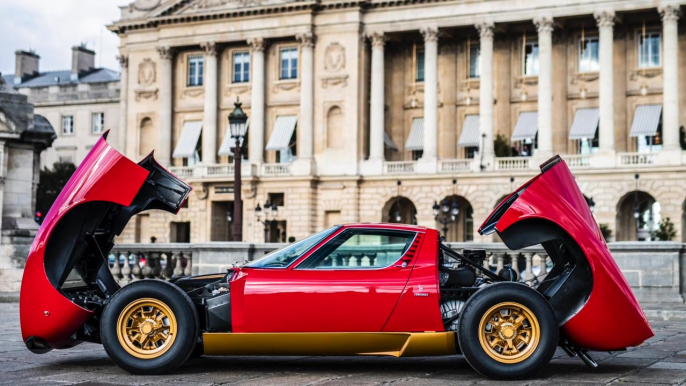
x=606, y=136
x=544, y=25
x=670, y=76
x=430, y=94
x=123, y=102
x=486, y=88
x=209, y=126
x=164, y=134
x=377, y=104
x=256, y=138
x=306, y=121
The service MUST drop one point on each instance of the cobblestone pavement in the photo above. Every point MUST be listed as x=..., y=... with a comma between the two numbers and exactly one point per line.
x=661, y=360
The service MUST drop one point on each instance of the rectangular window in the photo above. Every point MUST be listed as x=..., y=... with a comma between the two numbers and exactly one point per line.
x=474, y=61
x=649, y=50
x=530, y=58
x=98, y=123
x=419, y=64
x=195, y=70
x=67, y=124
x=361, y=249
x=588, y=55
x=289, y=63
x=241, y=67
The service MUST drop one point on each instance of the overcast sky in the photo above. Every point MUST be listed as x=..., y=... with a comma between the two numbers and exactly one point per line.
x=52, y=27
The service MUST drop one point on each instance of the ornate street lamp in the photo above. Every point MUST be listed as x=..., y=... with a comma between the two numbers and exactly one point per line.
x=237, y=122
x=591, y=204
x=269, y=210
x=446, y=213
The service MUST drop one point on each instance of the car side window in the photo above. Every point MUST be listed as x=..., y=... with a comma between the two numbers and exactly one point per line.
x=361, y=249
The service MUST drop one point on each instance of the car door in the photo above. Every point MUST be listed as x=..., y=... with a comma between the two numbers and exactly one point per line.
x=351, y=283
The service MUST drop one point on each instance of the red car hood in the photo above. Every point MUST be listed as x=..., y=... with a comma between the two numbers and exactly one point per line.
x=94, y=206
x=609, y=317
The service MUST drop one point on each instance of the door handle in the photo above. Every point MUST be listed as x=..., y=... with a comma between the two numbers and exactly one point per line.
x=403, y=264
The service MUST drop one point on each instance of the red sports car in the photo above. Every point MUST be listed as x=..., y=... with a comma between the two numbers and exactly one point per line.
x=357, y=289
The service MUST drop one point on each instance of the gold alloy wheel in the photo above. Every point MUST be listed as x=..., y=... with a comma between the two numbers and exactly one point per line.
x=146, y=328
x=509, y=332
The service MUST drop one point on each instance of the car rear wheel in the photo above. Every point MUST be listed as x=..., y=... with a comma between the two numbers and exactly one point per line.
x=508, y=331
x=149, y=327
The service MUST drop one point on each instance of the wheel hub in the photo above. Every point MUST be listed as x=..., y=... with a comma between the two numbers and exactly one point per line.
x=509, y=332
x=146, y=328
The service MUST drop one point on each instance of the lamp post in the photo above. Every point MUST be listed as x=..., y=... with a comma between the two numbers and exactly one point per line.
x=269, y=209
x=446, y=213
x=237, y=121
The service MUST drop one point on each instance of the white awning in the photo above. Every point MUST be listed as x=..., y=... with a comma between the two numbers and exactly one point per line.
x=188, y=141
x=416, y=139
x=282, y=133
x=646, y=120
x=227, y=143
x=388, y=142
x=471, y=134
x=585, y=124
x=527, y=126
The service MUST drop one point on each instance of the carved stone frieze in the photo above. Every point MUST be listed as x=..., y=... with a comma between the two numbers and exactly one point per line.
x=147, y=72
x=334, y=57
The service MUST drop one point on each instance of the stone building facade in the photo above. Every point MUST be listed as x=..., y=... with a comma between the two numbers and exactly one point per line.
x=375, y=111
x=80, y=103
x=23, y=136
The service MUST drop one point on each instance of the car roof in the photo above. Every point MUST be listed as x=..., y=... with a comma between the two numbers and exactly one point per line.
x=395, y=226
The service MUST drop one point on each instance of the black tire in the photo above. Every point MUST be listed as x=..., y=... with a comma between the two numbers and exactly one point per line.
x=484, y=302
x=180, y=306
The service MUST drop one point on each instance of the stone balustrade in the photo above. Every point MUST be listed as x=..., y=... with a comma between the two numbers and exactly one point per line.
x=656, y=271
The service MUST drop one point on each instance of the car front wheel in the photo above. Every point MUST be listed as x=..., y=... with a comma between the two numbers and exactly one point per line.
x=508, y=331
x=149, y=327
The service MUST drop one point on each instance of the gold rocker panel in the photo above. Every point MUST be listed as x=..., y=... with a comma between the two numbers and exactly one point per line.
x=396, y=344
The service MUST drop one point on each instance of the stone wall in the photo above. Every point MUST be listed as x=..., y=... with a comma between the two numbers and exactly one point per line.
x=655, y=271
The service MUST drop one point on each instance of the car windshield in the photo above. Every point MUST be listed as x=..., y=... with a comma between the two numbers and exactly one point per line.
x=284, y=257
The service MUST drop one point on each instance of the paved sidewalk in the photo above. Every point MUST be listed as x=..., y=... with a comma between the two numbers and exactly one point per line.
x=661, y=360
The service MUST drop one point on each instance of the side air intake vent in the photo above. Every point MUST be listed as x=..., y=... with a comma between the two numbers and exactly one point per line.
x=415, y=246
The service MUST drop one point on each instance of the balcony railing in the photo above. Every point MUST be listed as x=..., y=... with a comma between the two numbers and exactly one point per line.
x=182, y=171
x=512, y=163
x=577, y=161
x=399, y=167
x=276, y=169
x=636, y=159
x=455, y=165
x=221, y=170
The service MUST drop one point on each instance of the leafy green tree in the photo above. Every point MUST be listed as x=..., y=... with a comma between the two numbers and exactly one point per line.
x=665, y=232
x=52, y=181
x=605, y=230
x=501, y=146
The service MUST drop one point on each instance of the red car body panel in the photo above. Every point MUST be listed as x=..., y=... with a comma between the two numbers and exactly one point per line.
x=554, y=196
x=104, y=175
x=355, y=300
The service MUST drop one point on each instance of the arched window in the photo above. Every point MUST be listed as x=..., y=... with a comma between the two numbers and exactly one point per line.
x=334, y=128
x=146, y=137
x=399, y=210
x=455, y=227
x=638, y=215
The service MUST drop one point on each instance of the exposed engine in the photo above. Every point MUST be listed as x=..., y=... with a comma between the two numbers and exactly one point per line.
x=211, y=295
x=458, y=280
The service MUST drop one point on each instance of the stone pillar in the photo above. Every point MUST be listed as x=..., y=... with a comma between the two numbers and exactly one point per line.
x=256, y=138
x=305, y=161
x=430, y=157
x=164, y=134
x=486, y=91
x=123, y=102
x=670, y=66
x=209, y=126
x=606, y=136
x=377, y=103
x=544, y=25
